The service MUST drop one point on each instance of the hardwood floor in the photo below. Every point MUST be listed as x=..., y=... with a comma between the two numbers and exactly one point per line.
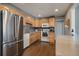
x=67, y=45
x=40, y=49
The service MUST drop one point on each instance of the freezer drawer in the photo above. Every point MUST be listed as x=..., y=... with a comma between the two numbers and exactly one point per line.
x=0, y=49
x=9, y=49
x=19, y=48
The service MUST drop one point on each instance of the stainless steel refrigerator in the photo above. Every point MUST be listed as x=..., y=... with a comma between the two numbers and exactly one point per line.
x=8, y=39
x=19, y=33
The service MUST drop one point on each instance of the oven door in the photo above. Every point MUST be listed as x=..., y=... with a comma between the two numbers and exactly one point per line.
x=45, y=34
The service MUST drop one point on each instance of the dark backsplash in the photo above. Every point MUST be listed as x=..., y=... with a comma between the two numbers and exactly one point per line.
x=28, y=28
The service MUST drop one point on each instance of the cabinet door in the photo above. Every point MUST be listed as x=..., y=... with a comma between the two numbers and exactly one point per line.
x=44, y=20
x=37, y=23
x=32, y=38
x=51, y=38
x=40, y=22
x=38, y=36
x=51, y=22
x=28, y=20
x=33, y=23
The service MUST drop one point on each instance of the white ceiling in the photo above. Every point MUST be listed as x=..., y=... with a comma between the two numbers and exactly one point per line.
x=43, y=9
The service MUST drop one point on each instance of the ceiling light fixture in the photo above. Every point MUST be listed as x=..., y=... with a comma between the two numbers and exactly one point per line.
x=39, y=15
x=28, y=17
x=56, y=10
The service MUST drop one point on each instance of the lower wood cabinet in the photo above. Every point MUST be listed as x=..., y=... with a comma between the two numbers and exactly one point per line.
x=32, y=39
x=34, y=36
x=51, y=37
x=38, y=36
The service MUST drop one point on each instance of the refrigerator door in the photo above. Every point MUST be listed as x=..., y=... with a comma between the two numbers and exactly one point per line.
x=1, y=33
x=18, y=28
x=21, y=28
x=8, y=27
x=10, y=49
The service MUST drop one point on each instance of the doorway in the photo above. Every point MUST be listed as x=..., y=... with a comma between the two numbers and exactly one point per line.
x=59, y=28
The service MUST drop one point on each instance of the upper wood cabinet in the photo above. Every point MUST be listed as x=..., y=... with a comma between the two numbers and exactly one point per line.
x=51, y=22
x=42, y=21
x=33, y=23
x=36, y=23
x=27, y=20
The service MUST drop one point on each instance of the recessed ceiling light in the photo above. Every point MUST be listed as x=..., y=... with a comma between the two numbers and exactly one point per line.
x=39, y=15
x=56, y=10
x=28, y=17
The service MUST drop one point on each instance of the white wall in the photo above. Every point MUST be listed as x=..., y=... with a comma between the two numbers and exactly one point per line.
x=77, y=20
x=59, y=28
x=71, y=15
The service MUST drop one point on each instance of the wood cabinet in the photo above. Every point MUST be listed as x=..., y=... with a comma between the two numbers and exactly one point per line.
x=36, y=23
x=33, y=23
x=27, y=20
x=39, y=22
x=42, y=21
x=38, y=36
x=51, y=37
x=51, y=22
x=34, y=36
